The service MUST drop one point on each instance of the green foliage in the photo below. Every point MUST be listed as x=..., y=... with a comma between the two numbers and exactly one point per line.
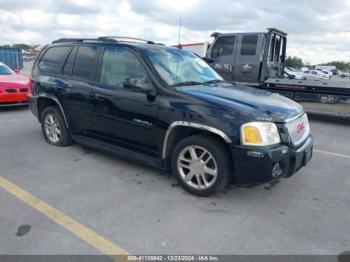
x=22, y=46
x=294, y=62
x=341, y=65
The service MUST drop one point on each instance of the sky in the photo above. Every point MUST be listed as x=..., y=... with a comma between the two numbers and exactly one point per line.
x=318, y=31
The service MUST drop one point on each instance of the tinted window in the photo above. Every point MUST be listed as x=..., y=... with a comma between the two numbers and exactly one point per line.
x=223, y=46
x=249, y=44
x=84, y=65
x=306, y=72
x=52, y=60
x=118, y=65
x=68, y=67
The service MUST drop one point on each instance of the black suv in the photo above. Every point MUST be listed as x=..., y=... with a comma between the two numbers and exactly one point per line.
x=167, y=108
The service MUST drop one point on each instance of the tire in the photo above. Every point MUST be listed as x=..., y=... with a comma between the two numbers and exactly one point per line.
x=195, y=176
x=51, y=119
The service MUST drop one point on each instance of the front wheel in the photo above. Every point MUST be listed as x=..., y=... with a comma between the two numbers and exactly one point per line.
x=201, y=164
x=54, y=128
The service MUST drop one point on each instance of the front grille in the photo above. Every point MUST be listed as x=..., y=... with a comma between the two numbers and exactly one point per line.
x=10, y=90
x=23, y=90
x=298, y=129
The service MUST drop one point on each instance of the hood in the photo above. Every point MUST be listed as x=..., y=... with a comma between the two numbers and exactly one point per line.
x=260, y=104
x=13, y=80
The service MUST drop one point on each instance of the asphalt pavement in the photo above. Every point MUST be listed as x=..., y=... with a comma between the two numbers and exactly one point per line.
x=144, y=211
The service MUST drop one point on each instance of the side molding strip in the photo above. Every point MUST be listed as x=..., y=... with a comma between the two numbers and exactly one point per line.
x=58, y=103
x=194, y=125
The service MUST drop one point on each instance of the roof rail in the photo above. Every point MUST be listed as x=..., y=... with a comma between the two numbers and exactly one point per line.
x=70, y=40
x=113, y=39
x=123, y=38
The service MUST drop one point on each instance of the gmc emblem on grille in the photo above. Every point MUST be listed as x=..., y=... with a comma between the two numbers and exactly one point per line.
x=300, y=127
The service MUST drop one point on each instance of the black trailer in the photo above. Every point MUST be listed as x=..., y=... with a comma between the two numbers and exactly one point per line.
x=258, y=59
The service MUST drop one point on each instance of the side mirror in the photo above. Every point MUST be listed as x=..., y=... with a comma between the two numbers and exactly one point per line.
x=138, y=84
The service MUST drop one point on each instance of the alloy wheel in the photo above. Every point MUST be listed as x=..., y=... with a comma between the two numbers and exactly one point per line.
x=197, y=167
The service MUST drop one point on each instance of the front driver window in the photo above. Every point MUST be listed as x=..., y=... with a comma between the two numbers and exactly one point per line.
x=118, y=65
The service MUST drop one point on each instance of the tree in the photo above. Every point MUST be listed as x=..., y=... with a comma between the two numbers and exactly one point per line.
x=294, y=62
x=22, y=46
x=340, y=65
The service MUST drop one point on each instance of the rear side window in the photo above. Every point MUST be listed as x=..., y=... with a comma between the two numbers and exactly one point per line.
x=85, y=61
x=118, y=65
x=68, y=67
x=249, y=44
x=52, y=60
x=223, y=46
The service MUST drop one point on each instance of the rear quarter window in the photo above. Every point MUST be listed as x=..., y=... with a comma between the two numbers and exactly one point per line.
x=52, y=60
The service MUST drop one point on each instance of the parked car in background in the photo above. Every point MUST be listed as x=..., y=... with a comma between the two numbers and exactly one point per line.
x=293, y=73
x=344, y=74
x=167, y=108
x=334, y=71
x=315, y=74
x=328, y=73
x=14, y=88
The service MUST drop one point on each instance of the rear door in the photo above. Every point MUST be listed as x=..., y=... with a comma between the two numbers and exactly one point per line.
x=223, y=55
x=248, y=58
x=80, y=73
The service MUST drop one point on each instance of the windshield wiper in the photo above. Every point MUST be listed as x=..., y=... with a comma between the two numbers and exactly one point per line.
x=187, y=83
x=217, y=81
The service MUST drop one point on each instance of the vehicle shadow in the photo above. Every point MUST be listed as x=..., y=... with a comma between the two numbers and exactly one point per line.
x=13, y=108
x=153, y=179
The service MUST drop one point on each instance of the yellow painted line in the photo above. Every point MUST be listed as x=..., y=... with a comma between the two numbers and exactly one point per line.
x=100, y=243
x=332, y=153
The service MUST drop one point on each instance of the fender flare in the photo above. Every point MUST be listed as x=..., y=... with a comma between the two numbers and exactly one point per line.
x=55, y=99
x=193, y=125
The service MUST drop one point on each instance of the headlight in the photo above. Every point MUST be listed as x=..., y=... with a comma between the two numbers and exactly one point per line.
x=260, y=134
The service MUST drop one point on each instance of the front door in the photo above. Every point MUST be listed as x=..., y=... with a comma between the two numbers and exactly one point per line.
x=122, y=115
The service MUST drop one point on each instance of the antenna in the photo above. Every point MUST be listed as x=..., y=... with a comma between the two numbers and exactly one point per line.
x=180, y=25
x=179, y=47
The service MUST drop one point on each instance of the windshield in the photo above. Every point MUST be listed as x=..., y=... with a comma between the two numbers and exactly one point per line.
x=178, y=66
x=4, y=70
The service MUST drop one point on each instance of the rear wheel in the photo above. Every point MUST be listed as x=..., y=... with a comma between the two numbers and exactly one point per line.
x=54, y=128
x=201, y=164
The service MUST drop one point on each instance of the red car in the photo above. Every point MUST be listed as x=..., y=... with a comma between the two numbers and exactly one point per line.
x=14, y=88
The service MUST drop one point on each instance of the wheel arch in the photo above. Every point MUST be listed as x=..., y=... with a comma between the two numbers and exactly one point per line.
x=181, y=129
x=45, y=101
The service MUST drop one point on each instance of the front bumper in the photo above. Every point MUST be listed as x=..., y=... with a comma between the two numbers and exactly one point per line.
x=254, y=166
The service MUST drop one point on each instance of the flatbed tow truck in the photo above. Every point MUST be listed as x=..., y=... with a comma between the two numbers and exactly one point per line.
x=258, y=59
